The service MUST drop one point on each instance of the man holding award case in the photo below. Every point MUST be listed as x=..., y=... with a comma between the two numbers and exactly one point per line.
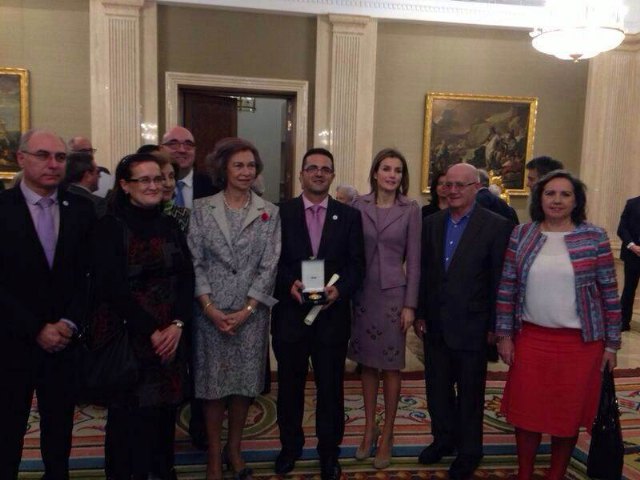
x=321, y=265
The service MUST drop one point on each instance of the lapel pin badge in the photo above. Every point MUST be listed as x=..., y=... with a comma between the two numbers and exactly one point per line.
x=335, y=217
x=65, y=203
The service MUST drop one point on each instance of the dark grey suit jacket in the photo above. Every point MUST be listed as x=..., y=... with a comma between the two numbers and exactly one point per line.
x=99, y=203
x=342, y=248
x=460, y=303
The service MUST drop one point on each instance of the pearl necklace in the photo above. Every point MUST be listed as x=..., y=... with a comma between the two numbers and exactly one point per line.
x=226, y=204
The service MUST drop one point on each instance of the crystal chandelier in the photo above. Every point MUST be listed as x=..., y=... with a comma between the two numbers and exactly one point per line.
x=580, y=29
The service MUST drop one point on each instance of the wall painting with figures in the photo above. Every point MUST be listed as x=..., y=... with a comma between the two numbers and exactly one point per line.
x=14, y=117
x=491, y=132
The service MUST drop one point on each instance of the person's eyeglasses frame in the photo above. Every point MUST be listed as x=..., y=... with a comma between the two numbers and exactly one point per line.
x=43, y=155
x=147, y=181
x=176, y=144
x=458, y=185
x=313, y=169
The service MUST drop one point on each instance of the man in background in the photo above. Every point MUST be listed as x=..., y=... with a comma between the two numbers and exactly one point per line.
x=82, y=176
x=539, y=167
x=179, y=143
x=629, y=233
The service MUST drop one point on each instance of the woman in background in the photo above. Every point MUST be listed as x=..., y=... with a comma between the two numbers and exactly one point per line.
x=438, y=194
x=384, y=308
x=235, y=242
x=558, y=322
x=144, y=276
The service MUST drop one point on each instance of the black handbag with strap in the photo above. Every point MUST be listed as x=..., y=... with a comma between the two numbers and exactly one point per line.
x=110, y=367
x=606, y=452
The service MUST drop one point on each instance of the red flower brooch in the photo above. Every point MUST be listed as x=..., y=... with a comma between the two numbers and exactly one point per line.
x=265, y=216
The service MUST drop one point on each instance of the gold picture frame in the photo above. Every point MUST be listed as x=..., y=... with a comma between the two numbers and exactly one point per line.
x=14, y=117
x=488, y=131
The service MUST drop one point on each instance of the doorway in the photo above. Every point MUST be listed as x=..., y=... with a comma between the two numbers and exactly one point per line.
x=266, y=120
x=214, y=107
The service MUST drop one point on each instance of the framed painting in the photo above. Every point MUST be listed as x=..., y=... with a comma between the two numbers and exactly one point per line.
x=14, y=117
x=491, y=132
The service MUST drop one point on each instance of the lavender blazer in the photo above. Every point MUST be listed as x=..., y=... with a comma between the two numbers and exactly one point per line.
x=394, y=245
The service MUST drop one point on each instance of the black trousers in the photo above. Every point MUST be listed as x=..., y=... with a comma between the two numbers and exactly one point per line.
x=328, y=369
x=455, y=381
x=139, y=441
x=52, y=377
x=631, y=277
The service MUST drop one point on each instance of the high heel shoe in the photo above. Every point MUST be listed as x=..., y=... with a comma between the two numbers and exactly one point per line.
x=382, y=462
x=245, y=473
x=363, y=452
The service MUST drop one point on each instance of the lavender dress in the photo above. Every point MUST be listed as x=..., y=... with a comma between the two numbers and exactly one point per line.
x=392, y=247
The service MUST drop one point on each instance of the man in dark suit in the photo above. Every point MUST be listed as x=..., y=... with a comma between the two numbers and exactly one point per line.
x=82, y=177
x=488, y=200
x=315, y=225
x=179, y=143
x=43, y=236
x=462, y=252
x=629, y=233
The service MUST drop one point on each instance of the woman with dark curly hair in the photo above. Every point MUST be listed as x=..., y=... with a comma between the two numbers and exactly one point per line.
x=558, y=322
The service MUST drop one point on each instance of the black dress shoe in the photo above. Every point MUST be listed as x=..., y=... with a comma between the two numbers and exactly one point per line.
x=199, y=439
x=434, y=453
x=463, y=466
x=330, y=468
x=285, y=462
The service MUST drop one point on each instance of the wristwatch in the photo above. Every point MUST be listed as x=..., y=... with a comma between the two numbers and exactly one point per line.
x=178, y=323
x=251, y=310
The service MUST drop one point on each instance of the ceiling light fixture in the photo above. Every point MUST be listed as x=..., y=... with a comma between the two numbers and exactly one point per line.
x=580, y=29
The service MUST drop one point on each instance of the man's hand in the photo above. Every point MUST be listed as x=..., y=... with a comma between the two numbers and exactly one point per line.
x=635, y=249
x=332, y=294
x=296, y=288
x=419, y=327
x=54, y=337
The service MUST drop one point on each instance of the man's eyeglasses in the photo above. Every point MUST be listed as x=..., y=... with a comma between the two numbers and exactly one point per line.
x=175, y=144
x=314, y=169
x=147, y=181
x=458, y=185
x=43, y=155
x=90, y=151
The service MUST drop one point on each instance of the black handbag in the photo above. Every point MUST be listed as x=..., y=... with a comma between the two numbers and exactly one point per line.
x=606, y=452
x=110, y=368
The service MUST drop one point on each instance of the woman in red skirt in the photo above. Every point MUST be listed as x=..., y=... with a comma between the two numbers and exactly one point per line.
x=558, y=322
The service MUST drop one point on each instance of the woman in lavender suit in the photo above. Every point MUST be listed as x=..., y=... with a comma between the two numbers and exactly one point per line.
x=383, y=309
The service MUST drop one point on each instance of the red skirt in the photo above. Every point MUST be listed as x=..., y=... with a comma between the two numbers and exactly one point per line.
x=553, y=385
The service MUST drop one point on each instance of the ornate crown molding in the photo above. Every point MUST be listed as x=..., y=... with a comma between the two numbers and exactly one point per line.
x=444, y=11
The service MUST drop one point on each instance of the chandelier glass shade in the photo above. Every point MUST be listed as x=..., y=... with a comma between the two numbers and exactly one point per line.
x=580, y=29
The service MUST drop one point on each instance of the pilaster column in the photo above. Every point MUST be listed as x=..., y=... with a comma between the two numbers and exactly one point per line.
x=611, y=139
x=345, y=94
x=124, y=83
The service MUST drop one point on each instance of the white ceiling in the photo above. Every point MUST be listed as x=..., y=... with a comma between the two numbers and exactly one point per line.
x=501, y=13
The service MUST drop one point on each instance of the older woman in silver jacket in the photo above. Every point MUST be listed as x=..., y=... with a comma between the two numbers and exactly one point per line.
x=235, y=242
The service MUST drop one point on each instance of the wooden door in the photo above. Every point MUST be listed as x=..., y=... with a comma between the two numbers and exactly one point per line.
x=210, y=118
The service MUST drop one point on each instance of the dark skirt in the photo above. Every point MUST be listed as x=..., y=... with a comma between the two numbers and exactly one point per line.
x=553, y=385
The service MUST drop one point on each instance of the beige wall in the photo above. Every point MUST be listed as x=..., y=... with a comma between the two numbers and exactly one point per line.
x=207, y=40
x=415, y=59
x=51, y=40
